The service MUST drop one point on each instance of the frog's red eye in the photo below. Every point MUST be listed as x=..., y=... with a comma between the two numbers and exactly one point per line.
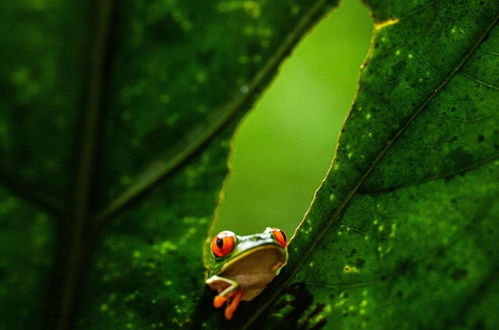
x=280, y=236
x=223, y=243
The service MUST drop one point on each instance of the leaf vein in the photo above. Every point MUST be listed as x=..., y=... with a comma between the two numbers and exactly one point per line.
x=30, y=192
x=481, y=82
x=450, y=174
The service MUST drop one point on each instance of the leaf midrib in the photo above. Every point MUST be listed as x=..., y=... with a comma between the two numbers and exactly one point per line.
x=335, y=215
x=79, y=222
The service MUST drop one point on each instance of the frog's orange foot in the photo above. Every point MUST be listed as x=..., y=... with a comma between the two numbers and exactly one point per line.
x=218, y=301
x=232, y=304
x=232, y=300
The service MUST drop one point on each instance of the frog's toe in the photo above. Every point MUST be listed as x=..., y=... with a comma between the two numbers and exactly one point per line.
x=219, y=301
x=233, y=303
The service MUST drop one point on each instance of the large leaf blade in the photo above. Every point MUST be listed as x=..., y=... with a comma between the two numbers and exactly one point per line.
x=420, y=144
x=144, y=111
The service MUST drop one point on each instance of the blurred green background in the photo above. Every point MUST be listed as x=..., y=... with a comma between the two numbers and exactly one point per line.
x=285, y=145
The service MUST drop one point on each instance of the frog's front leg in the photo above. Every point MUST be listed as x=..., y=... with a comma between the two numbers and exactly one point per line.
x=230, y=295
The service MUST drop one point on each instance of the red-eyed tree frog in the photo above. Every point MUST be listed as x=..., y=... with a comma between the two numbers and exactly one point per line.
x=240, y=267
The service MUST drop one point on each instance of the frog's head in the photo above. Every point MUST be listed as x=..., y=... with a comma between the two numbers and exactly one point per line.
x=229, y=251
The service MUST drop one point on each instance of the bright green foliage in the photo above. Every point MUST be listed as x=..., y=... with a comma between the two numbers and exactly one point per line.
x=115, y=119
x=403, y=233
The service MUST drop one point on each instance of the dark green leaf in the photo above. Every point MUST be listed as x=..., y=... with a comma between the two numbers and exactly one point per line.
x=403, y=232
x=104, y=102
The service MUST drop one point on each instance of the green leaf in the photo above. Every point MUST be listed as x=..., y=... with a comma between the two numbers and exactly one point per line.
x=114, y=132
x=403, y=231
